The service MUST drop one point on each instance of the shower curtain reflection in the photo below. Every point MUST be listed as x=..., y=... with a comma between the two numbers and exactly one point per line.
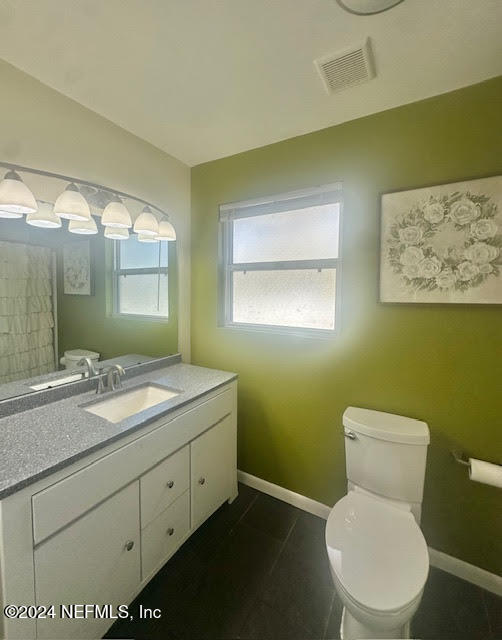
x=26, y=311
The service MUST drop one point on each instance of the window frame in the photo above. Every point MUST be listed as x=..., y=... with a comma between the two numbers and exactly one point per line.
x=326, y=194
x=117, y=271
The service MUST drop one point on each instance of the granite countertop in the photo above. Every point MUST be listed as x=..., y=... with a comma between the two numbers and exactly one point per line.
x=42, y=440
x=21, y=387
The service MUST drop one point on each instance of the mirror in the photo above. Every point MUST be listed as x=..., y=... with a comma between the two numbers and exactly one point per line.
x=62, y=293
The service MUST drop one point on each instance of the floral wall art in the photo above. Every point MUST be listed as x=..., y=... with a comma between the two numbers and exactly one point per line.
x=443, y=243
x=77, y=276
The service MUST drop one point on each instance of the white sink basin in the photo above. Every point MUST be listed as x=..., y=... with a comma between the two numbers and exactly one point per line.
x=123, y=405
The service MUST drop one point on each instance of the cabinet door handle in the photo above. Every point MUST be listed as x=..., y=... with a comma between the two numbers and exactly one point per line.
x=202, y=480
x=170, y=484
x=170, y=531
x=129, y=545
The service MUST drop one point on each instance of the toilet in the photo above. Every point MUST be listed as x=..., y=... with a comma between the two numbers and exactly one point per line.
x=377, y=553
x=72, y=357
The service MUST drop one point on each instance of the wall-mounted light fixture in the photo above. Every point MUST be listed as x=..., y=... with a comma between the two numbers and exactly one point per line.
x=16, y=200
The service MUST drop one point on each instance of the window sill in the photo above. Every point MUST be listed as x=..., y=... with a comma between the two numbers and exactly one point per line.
x=140, y=317
x=298, y=332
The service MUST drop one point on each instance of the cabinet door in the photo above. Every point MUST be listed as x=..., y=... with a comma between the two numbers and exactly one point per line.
x=95, y=560
x=212, y=466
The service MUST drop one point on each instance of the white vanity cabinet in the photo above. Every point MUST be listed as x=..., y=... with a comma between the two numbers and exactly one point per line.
x=95, y=532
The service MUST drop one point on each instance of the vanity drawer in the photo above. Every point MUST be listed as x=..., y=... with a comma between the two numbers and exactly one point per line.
x=163, y=484
x=163, y=536
x=58, y=505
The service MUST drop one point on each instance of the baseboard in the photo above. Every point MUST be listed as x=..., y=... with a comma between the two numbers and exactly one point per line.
x=469, y=572
x=295, y=499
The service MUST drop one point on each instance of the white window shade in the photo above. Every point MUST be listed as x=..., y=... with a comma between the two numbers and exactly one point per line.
x=302, y=199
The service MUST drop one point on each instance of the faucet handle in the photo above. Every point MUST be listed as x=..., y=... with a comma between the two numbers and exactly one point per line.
x=119, y=369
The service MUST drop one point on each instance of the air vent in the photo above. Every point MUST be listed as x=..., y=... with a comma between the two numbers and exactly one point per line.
x=345, y=69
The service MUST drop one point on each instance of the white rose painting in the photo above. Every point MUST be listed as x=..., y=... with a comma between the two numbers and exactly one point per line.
x=77, y=268
x=443, y=244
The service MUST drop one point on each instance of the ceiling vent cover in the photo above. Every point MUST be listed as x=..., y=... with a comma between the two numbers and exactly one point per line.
x=345, y=69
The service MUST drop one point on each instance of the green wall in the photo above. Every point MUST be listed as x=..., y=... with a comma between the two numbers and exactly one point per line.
x=442, y=364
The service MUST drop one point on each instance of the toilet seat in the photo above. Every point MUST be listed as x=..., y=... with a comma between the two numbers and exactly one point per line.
x=377, y=552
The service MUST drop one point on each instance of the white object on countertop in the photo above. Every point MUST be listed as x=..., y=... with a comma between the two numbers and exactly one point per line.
x=485, y=472
x=72, y=357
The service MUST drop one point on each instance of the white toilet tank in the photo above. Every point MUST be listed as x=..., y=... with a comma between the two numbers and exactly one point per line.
x=386, y=453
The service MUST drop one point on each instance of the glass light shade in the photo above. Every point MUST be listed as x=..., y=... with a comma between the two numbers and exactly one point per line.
x=15, y=197
x=72, y=205
x=44, y=217
x=116, y=215
x=83, y=227
x=116, y=233
x=146, y=223
x=144, y=238
x=166, y=231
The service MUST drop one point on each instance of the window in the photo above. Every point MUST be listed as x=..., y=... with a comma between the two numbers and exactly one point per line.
x=140, y=279
x=280, y=261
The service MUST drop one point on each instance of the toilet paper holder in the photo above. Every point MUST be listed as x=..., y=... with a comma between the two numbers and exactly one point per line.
x=461, y=458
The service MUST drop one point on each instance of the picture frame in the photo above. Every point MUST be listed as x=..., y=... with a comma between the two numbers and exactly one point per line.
x=77, y=269
x=442, y=244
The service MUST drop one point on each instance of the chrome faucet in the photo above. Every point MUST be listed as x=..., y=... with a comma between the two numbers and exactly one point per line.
x=91, y=369
x=111, y=375
x=114, y=373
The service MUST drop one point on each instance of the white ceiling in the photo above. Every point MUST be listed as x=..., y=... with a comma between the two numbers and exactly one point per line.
x=203, y=79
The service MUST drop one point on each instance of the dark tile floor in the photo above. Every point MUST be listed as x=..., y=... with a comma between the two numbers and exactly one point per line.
x=258, y=570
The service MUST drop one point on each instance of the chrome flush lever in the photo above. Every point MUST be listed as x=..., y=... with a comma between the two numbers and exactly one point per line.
x=350, y=435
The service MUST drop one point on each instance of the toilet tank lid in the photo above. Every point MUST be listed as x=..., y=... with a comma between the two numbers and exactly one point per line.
x=386, y=426
x=81, y=353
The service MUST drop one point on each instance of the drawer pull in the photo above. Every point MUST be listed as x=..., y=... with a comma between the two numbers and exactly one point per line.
x=170, y=484
x=129, y=545
x=170, y=531
x=202, y=480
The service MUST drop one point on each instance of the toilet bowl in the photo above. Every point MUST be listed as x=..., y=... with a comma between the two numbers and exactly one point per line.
x=379, y=563
x=377, y=553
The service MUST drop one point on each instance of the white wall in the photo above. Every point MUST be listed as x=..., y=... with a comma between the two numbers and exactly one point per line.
x=43, y=129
